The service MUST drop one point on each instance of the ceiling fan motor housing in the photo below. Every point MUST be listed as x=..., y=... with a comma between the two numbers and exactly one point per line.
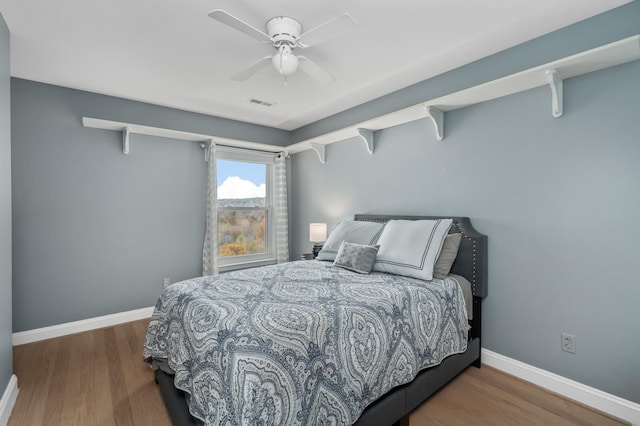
x=285, y=34
x=284, y=30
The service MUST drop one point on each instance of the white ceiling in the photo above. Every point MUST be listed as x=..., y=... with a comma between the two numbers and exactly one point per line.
x=169, y=52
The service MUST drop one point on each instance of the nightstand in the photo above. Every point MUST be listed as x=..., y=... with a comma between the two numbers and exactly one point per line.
x=307, y=256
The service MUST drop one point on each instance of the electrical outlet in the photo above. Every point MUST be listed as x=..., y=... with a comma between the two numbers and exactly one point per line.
x=568, y=343
x=166, y=282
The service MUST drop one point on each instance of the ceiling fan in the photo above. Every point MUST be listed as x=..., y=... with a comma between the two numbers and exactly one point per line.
x=285, y=35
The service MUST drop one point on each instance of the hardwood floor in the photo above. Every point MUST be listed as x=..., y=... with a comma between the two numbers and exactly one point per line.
x=92, y=378
x=98, y=378
x=487, y=396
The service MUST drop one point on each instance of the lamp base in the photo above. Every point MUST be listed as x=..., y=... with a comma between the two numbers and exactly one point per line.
x=316, y=249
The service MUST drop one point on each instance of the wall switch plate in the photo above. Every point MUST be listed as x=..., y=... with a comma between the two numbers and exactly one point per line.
x=166, y=282
x=568, y=343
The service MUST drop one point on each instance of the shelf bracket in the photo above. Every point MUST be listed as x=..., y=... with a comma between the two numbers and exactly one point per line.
x=207, y=145
x=437, y=116
x=125, y=140
x=319, y=149
x=555, y=83
x=367, y=138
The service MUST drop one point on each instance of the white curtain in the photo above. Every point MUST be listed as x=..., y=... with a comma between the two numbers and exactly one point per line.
x=282, y=216
x=210, y=247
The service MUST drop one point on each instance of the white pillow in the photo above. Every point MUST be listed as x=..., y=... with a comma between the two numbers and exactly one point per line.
x=411, y=247
x=351, y=231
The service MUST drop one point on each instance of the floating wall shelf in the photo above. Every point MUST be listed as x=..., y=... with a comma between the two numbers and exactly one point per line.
x=205, y=140
x=551, y=74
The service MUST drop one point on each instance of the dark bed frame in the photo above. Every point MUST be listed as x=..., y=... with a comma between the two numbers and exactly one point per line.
x=395, y=407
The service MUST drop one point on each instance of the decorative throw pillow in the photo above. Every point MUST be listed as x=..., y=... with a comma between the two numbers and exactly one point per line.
x=358, y=232
x=356, y=257
x=411, y=247
x=447, y=256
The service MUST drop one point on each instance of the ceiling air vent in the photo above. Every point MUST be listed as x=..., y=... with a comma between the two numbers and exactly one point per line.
x=259, y=102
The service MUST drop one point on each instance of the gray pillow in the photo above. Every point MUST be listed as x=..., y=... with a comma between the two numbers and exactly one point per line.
x=356, y=257
x=411, y=247
x=447, y=256
x=352, y=231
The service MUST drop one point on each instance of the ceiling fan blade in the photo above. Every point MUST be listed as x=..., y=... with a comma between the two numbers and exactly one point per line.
x=332, y=28
x=314, y=70
x=253, y=68
x=238, y=24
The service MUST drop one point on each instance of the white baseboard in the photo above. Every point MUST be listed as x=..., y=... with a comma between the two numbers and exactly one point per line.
x=610, y=404
x=8, y=400
x=30, y=336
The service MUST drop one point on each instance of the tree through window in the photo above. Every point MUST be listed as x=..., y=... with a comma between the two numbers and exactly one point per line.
x=245, y=207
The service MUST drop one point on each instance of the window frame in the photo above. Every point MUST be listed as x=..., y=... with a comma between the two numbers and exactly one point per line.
x=231, y=263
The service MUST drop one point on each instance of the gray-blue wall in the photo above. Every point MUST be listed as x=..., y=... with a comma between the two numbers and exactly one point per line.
x=558, y=198
x=6, y=350
x=96, y=231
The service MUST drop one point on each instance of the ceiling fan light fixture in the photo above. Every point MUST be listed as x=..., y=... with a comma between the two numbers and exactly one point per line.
x=285, y=35
x=284, y=61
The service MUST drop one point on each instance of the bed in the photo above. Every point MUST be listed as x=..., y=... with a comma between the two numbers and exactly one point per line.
x=386, y=396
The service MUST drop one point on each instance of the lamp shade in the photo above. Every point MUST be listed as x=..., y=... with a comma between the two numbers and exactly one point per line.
x=284, y=61
x=317, y=232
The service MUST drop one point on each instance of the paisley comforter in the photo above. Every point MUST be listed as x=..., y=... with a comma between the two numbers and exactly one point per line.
x=301, y=343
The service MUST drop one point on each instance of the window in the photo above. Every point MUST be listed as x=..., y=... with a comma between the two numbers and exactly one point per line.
x=246, y=221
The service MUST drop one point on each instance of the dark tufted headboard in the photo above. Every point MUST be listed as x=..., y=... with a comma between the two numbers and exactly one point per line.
x=471, y=262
